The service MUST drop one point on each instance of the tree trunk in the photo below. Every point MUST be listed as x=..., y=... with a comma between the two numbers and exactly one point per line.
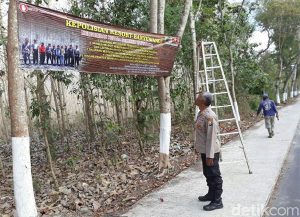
x=126, y=99
x=92, y=102
x=2, y=168
x=105, y=108
x=30, y=124
x=296, y=84
x=293, y=81
x=184, y=17
x=138, y=109
x=45, y=120
x=61, y=101
x=50, y=158
x=65, y=112
x=278, y=81
x=87, y=106
x=164, y=83
x=23, y=188
x=2, y=35
x=290, y=76
x=2, y=107
x=117, y=102
x=153, y=15
x=163, y=89
x=195, y=59
x=228, y=41
x=161, y=16
x=4, y=126
x=57, y=110
x=236, y=108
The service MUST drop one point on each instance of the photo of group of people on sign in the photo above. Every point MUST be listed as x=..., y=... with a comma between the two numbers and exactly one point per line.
x=55, y=55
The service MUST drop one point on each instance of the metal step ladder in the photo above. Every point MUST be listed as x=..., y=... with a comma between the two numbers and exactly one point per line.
x=214, y=81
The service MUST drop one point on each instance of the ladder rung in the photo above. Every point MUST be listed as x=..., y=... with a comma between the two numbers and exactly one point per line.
x=216, y=80
x=221, y=106
x=211, y=54
x=225, y=134
x=209, y=70
x=207, y=42
x=219, y=93
x=228, y=119
x=213, y=67
x=209, y=82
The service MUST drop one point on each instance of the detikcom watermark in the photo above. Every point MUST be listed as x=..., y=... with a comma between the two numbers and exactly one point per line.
x=261, y=210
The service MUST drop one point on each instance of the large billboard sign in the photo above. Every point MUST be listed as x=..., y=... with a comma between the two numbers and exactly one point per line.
x=54, y=40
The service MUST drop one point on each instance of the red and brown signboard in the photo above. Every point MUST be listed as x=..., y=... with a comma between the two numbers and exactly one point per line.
x=58, y=41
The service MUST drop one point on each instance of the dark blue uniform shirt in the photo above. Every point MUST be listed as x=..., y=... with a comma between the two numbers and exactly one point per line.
x=268, y=106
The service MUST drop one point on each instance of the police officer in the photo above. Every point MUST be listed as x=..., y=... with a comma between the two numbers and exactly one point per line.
x=66, y=56
x=35, y=52
x=58, y=55
x=71, y=56
x=269, y=109
x=208, y=145
x=77, y=56
x=48, y=53
x=53, y=55
x=26, y=51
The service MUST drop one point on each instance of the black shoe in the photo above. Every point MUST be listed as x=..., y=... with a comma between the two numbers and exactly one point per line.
x=270, y=136
x=213, y=205
x=205, y=198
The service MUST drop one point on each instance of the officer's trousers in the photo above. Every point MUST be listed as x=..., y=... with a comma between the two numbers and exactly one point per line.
x=35, y=56
x=213, y=177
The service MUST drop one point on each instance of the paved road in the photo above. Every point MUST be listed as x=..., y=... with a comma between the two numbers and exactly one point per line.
x=285, y=199
x=244, y=195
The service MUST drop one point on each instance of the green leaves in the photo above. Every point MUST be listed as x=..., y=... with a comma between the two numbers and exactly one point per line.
x=63, y=77
x=3, y=41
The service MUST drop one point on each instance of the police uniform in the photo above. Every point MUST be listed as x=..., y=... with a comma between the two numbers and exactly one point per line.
x=35, y=50
x=77, y=57
x=53, y=56
x=208, y=144
x=48, y=53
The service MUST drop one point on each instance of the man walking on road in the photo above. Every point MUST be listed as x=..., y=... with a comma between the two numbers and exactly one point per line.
x=269, y=109
x=208, y=145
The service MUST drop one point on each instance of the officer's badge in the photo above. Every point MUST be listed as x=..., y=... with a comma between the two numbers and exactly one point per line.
x=210, y=121
x=198, y=125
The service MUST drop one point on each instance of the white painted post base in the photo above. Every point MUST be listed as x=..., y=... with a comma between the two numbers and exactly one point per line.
x=164, y=140
x=292, y=94
x=296, y=91
x=196, y=112
x=284, y=96
x=23, y=189
x=277, y=98
x=236, y=110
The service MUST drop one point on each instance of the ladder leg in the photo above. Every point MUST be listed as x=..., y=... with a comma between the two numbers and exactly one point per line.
x=231, y=102
x=205, y=66
x=212, y=46
x=247, y=161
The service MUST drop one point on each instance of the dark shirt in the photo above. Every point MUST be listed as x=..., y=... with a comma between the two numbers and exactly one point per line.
x=268, y=106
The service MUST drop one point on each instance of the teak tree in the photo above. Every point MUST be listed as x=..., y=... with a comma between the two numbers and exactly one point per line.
x=23, y=189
